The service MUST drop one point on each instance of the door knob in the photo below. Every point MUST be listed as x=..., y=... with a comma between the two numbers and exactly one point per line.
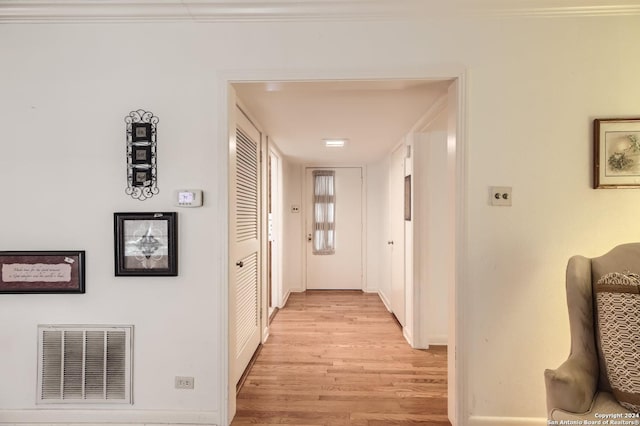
x=390, y=243
x=308, y=237
x=240, y=263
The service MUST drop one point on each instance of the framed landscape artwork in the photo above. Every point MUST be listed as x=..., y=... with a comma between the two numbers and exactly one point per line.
x=616, y=153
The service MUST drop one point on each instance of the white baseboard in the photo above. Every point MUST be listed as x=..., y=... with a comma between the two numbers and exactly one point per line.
x=441, y=340
x=407, y=335
x=115, y=417
x=284, y=300
x=384, y=299
x=506, y=421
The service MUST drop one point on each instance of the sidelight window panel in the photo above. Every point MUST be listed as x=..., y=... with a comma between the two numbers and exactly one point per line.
x=324, y=212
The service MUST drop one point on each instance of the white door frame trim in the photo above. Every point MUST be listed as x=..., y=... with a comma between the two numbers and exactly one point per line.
x=224, y=80
x=276, y=200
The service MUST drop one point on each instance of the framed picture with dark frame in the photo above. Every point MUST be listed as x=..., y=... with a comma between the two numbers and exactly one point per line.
x=141, y=154
x=146, y=244
x=407, y=197
x=616, y=159
x=142, y=176
x=42, y=272
x=140, y=132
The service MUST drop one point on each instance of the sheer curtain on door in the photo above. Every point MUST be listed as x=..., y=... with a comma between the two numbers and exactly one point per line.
x=324, y=212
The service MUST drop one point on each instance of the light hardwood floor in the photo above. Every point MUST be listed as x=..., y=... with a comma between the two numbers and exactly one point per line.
x=339, y=358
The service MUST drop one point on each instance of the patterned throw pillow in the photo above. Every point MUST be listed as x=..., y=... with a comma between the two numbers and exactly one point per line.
x=618, y=306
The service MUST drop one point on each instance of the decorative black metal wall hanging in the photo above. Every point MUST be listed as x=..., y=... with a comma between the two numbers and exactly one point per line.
x=142, y=173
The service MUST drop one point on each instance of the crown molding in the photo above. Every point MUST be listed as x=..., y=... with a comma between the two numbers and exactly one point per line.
x=80, y=11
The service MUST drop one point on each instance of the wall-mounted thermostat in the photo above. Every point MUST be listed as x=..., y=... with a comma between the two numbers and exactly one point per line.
x=188, y=198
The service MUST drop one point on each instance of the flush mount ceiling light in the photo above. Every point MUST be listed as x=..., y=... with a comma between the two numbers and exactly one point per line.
x=334, y=143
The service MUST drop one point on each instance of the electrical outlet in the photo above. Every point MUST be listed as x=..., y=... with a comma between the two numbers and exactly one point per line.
x=500, y=195
x=184, y=382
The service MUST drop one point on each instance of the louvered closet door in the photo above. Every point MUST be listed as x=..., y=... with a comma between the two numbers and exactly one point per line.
x=244, y=256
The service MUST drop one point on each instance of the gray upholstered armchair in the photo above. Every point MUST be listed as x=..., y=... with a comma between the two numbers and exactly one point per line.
x=579, y=389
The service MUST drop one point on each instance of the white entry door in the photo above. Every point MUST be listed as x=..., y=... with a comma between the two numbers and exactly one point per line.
x=396, y=234
x=244, y=244
x=334, y=228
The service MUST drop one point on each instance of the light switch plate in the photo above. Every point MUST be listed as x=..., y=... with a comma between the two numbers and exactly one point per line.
x=184, y=382
x=500, y=195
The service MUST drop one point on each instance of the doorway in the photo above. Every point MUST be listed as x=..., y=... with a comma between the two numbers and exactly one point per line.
x=455, y=362
x=274, y=231
x=395, y=243
x=333, y=228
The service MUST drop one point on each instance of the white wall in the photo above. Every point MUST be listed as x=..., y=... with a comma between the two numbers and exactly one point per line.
x=433, y=230
x=377, y=267
x=533, y=87
x=531, y=100
x=65, y=93
x=429, y=235
x=292, y=175
x=412, y=257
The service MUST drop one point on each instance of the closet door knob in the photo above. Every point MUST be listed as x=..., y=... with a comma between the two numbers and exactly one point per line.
x=240, y=263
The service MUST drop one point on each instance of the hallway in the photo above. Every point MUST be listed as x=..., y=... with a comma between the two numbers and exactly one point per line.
x=339, y=358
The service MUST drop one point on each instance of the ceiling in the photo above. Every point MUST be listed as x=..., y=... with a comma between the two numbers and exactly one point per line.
x=372, y=115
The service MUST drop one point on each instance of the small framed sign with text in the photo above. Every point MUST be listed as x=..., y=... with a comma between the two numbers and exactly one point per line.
x=42, y=271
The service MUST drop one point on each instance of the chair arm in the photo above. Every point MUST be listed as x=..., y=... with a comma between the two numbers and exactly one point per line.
x=572, y=386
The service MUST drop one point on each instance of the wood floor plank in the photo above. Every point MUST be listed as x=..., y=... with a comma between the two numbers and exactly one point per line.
x=339, y=358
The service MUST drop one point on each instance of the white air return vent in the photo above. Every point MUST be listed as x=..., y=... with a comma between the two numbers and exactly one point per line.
x=80, y=364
